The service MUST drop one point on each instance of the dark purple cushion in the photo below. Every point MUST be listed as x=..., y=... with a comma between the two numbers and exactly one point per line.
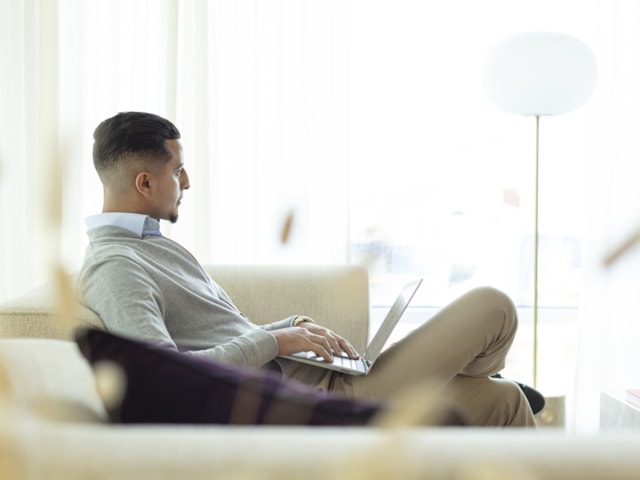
x=166, y=386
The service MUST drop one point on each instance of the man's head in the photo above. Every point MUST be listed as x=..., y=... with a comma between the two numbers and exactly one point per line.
x=138, y=158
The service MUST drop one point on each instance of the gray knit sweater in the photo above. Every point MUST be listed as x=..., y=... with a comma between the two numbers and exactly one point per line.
x=152, y=288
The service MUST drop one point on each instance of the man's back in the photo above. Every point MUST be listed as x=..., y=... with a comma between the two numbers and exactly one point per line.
x=150, y=287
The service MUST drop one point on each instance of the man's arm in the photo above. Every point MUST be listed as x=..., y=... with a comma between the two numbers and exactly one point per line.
x=130, y=303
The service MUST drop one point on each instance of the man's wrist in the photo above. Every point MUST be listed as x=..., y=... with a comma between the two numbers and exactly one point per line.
x=299, y=319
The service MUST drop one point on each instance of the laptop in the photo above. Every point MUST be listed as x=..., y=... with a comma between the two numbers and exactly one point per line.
x=362, y=365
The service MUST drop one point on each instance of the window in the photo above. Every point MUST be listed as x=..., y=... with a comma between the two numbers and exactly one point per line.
x=442, y=183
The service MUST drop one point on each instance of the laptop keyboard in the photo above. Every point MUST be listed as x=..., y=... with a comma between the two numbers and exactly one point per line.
x=347, y=362
x=340, y=360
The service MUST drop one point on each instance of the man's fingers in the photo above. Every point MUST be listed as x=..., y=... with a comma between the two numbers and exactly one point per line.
x=340, y=345
x=349, y=350
x=312, y=337
x=335, y=347
x=320, y=346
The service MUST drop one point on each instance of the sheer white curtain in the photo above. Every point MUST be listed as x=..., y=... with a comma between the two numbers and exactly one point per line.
x=257, y=88
x=28, y=135
x=610, y=308
x=262, y=98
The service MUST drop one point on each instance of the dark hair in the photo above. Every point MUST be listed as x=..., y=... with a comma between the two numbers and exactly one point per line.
x=131, y=134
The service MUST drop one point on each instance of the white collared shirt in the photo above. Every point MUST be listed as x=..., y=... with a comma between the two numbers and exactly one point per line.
x=137, y=223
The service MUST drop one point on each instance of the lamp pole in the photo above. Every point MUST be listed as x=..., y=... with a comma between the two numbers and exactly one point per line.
x=544, y=72
x=536, y=240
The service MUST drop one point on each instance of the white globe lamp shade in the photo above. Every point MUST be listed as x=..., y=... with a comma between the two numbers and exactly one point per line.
x=540, y=73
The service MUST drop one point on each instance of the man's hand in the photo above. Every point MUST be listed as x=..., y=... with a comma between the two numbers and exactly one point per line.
x=309, y=336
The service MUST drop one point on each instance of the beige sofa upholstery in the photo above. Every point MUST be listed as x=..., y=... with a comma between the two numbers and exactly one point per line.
x=53, y=424
x=338, y=296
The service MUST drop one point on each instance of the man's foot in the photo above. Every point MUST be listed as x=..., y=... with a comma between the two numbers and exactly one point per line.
x=535, y=398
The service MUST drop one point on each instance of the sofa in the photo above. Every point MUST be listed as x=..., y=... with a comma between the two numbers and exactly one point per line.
x=55, y=423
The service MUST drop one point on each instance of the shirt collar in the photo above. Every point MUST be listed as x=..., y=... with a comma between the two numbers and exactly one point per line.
x=137, y=223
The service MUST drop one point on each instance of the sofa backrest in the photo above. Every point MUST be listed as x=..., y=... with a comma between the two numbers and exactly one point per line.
x=36, y=314
x=336, y=296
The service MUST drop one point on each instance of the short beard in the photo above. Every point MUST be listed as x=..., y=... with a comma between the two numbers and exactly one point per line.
x=173, y=218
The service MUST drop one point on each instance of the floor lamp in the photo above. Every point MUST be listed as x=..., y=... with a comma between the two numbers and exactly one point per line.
x=539, y=74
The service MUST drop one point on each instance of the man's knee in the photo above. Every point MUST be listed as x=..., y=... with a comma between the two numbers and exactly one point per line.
x=495, y=305
x=493, y=297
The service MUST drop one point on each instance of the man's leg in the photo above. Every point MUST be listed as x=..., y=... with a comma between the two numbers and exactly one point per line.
x=490, y=401
x=456, y=350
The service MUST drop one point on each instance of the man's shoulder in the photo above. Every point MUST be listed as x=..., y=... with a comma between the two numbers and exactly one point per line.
x=110, y=265
x=112, y=251
x=115, y=241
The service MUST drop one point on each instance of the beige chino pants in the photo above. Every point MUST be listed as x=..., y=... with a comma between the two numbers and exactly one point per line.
x=454, y=353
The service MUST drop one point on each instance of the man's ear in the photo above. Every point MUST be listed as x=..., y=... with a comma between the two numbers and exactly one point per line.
x=143, y=183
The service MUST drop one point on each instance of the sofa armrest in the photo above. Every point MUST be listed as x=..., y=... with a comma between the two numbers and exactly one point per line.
x=337, y=296
x=34, y=314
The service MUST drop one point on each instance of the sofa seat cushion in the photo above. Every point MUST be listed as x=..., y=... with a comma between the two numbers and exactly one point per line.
x=30, y=450
x=166, y=386
x=50, y=379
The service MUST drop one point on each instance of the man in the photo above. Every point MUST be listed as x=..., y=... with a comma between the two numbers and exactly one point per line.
x=146, y=286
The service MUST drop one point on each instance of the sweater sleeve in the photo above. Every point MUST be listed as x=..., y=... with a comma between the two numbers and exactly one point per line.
x=284, y=323
x=130, y=302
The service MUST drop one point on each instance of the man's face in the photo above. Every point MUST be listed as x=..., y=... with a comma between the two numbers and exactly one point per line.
x=170, y=181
